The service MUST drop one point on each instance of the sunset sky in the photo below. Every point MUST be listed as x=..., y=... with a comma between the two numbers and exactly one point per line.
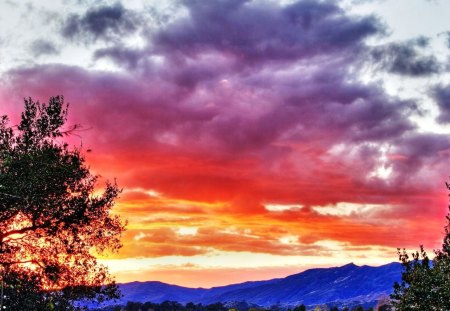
x=252, y=139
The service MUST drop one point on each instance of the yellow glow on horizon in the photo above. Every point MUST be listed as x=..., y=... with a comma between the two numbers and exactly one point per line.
x=190, y=271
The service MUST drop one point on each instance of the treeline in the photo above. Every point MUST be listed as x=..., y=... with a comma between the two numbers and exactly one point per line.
x=176, y=306
x=165, y=306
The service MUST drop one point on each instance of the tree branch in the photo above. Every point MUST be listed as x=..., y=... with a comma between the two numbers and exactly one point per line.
x=18, y=231
x=10, y=195
x=10, y=263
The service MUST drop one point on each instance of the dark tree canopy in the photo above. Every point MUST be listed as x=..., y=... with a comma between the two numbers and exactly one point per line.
x=301, y=307
x=425, y=282
x=50, y=219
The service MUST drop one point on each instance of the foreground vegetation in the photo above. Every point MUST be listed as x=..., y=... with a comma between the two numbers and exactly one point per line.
x=425, y=282
x=51, y=217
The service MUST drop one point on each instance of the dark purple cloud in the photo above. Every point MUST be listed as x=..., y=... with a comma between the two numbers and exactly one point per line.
x=248, y=33
x=100, y=23
x=252, y=32
x=351, y=110
x=253, y=83
x=218, y=41
x=441, y=95
x=404, y=58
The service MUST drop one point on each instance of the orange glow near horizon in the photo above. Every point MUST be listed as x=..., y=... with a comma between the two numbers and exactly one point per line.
x=191, y=230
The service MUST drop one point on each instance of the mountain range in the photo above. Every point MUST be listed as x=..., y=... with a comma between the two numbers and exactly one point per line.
x=342, y=286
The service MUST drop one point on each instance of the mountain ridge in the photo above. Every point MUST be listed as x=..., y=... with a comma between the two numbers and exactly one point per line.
x=342, y=285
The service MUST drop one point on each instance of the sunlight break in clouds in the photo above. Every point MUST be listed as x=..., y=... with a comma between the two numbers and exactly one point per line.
x=281, y=136
x=347, y=209
x=281, y=207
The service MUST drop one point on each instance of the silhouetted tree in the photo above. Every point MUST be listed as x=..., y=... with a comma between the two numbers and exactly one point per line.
x=218, y=306
x=50, y=219
x=301, y=307
x=425, y=283
x=133, y=306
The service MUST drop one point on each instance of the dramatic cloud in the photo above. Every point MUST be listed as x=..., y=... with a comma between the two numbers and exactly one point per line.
x=100, y=23
x=301, y=29
x=405, y=58
x=441, y=95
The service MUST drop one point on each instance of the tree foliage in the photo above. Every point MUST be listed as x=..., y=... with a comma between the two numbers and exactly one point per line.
x=425, y=282
x=301, y=307
x=50, y=219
